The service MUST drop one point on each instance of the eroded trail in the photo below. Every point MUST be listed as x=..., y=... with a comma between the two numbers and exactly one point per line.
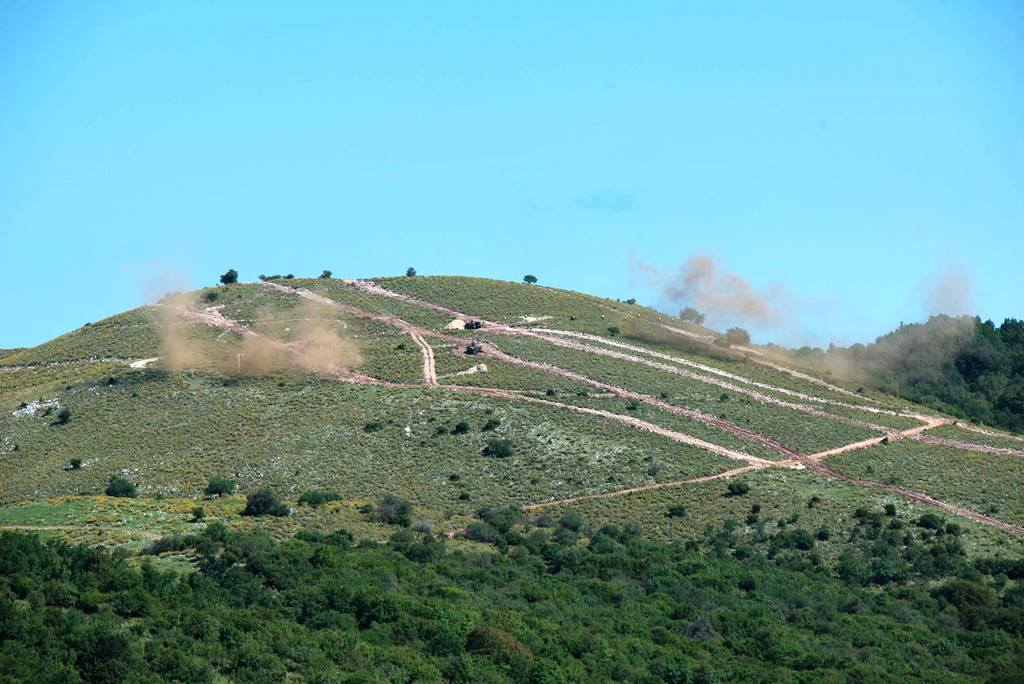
x=724, y=384
x=551, y=336
x=694, y=414
x=426, y=351
x=796, y=459
x=214, y=317
x=990, y=433
x=719, y=372
x=916, y=496
x=628, y=420
x=645, y=488
x=370, y=287
x=969, y=446
x=759, y=358
x=910, y=433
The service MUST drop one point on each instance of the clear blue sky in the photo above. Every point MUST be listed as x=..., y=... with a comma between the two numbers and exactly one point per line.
x=845, y=152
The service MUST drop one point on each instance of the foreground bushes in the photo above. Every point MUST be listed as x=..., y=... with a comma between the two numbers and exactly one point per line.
x=575, y=604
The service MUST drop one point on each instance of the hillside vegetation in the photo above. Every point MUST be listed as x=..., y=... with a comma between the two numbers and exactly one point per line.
x=968, y=367
x=491, y=431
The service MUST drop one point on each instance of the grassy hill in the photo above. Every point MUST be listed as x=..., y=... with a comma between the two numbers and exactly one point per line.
x=593, y=397
x=525, y=430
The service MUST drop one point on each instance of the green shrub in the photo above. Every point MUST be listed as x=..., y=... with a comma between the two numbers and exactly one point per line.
x=676, y=511
x=571, y=521
x=220, y=486
x=461, y=428
x=264, y=502
x=737, y=488
x=171, y=542
x=120, y=487
x=498, y=448
x=318, y=497
x=76, y=463
x=394, y=510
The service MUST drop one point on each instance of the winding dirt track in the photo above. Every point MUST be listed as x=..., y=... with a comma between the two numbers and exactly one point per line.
x=714, y=371
x=645, y=488
x=969, y=446
x=212, y=316
x=820, y=467
x=724, y=384
x=551, y=336
x=910, y=433
x=990, y=433
x=781, y=448
x=429, y=364
x=813, y=462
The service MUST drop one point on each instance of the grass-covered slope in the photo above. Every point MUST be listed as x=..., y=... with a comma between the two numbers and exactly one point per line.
x=589, y=496
x=605, y=416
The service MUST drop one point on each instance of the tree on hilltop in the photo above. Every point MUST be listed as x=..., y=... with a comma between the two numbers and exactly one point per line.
x=230, y=277
x=529, y=279
x=691, y=315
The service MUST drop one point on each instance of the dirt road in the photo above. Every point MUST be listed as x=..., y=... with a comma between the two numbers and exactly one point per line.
x=717, y=371
x=426, y=351
x=969, y=446
x=813, y=462
x=911, y=433
x=724, y=384
x=646, y=488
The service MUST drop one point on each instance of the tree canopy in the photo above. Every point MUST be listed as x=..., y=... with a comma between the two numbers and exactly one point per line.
x=564, y=602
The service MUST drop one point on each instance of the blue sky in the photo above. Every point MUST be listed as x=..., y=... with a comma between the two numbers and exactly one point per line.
x=840, y=155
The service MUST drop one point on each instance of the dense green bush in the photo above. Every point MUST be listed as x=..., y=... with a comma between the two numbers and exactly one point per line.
x=121, y=487
x=737, y=488
x=610, y=606
x=318, y=497
x=220, y=486
x=264, y=502
x=498, y=448
x=393, y=510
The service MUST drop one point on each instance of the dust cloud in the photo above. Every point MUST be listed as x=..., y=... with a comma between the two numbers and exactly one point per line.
x=305, y=337
x=948, y=291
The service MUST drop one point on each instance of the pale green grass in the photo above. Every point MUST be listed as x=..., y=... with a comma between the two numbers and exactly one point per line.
x=784, y=496
x=171, y=432
x=986, y=483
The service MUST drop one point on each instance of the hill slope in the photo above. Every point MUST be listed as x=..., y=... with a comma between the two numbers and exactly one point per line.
x=582, y=490
x=595, y=398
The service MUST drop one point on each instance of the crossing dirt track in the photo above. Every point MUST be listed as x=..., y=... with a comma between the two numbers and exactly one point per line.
x=588, y=344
